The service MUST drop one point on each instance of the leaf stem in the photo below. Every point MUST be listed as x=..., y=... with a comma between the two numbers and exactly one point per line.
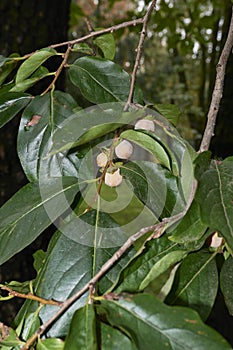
x=30, y=296
x=58, y=72
x=111, y=29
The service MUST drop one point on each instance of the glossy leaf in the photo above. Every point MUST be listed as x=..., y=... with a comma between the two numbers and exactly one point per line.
x=7, y=64
x=82, y=332
x=226, y=283
x=169, y=111
x=107, y=45
x=31, y=64
x=89, y=124
x=155, y=186
x=196, y=283
x=39, y=74
x=214, y=194
x=156, y=258
x=34, y=141
x=50, y=344
x=101, y=81
x=180, y=152
x=24, y=216
x=202, y=164
x=125, y=214
x=149, y=144
x=30, y=325
x=112, y=338
x=68, y=266
x=148, y=321
x=11, y=104
x=190, y=228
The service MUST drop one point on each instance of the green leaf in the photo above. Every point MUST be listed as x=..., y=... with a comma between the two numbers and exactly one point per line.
x=202, y=164
x=112, y=338
x=89, y=124
x=30, y=325
x=50, y=344
x=226, y=283
x=21, y=287
x=7, y=64
x=101, y=81
x=156, y=258
x=39, y=74
x=196, y=283
x=68, y=266
x=155, y=186
x=39, y=257
x=83, y=48
x=25, y=215
x=149, y=144
x=32, y=63
x=214, y=194
x=34, y=141
x=11, y=104
x=9, y=338
x=169, y=111
x=82, y=332
x=148, y=321
x=190, y=228
x=107, y=45
x=128, y=214
x=4, y=60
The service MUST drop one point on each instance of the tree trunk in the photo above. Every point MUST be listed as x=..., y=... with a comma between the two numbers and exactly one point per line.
x=27, y=25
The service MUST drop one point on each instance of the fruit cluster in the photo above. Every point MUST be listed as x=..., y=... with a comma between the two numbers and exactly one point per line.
x=124, y=151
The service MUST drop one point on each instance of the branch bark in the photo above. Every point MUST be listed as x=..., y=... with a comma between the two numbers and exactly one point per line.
x=139, y=53
x=218, y=90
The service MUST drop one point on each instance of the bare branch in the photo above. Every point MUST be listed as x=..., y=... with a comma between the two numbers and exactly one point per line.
x=157, y=229
x=139, y=53
x=58, y=72
x=218, y=90
x=111, y=29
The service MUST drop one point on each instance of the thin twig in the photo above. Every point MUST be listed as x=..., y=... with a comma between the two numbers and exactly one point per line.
x=157, y=229
x=88, y=24
x=218, y=90
x=31, y=297
x=58, y=72
x=139, y=53
x=111, y=29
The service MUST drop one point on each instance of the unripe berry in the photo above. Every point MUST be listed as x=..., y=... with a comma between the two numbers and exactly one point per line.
x=101, y=159
x=114, y=179
x=145, y=124
x=216, y=241
x=124, y=150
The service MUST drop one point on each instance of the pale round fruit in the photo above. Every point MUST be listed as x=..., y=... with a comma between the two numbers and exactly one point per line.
x=124, y=150
x=113, y=179
x=145, y=124
x=101, y=159
x=216, y=241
